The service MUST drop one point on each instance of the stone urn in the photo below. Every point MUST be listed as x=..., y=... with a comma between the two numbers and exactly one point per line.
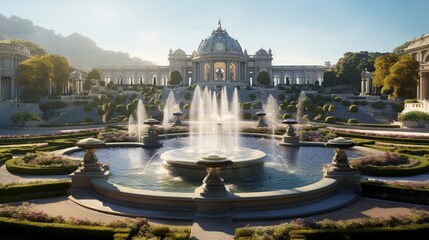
x=212, y=198
x=150, y=138
x=339, y=167
x=213, y=184
x=340, y=160
x=91, y=168
x=90, y=160
x=261, y=119
x=290, y=137
x=178, y=121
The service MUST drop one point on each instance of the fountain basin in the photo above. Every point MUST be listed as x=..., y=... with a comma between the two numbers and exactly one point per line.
x=183, y=163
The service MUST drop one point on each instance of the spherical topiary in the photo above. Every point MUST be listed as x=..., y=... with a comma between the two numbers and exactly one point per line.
x=353, y=108
x=186, y=106
x=246, y=105
x=286, y=116
x=352, y=121
x=291, y=108
x=330, y=119
x=331, y=108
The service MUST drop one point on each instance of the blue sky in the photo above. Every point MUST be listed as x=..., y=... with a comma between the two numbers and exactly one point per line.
x=298, y=31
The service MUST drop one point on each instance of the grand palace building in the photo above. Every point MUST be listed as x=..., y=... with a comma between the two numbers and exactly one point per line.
x=219, y=59
x=11, y=55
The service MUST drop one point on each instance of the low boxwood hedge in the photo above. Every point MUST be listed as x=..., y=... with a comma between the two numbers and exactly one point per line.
x=44, y=138
x=399, y=232
x=21, y=192
x=394, y=192
x=4, y=157
x=14, y=168
x=398, y=171
x=61, y=230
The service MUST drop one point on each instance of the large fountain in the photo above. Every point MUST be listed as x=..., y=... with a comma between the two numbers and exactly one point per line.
x=243, y=177
x=214, y=129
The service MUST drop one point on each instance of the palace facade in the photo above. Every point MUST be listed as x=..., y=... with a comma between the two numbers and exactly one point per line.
x=11, y=55
x=219, y=59
x=419, y=51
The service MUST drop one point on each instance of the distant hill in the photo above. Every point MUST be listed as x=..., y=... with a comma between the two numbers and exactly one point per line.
x=82, y=52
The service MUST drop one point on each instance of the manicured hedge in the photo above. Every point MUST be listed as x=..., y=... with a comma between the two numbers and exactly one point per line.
x=20, y=192
x=61, y=230
x=14, y=168
x=39, y=139
x=394, y=192
x=384, y=138
x=416, y=231
x=4, y=157
x=397, y=171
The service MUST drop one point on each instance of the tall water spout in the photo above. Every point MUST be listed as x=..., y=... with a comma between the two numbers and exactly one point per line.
x=136, y=127
x=301, y=107
x=214, y=121
x=271, y=108
x=171, y=106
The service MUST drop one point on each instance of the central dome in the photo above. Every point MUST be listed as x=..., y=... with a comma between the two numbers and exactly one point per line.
x=219, y=42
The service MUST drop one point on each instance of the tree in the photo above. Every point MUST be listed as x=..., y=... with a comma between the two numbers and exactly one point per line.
x=330, y=78
x=94, y=74
x=382, y=68
x=60, y=71
x=403, y=77
x=33, y=75
x=350, y=66
x=264, y=78
x=175, y=78
x=400, y=50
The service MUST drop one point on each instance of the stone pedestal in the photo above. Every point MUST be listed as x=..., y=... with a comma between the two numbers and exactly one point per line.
x=212, y=198
x=91, y=168
x=261, y=120
x=290, y=137
x=339, y=167
x=150, y=138
x=178, y=122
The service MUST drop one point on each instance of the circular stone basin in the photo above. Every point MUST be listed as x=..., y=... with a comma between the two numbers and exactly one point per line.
x=284, y=167
x=183, y=162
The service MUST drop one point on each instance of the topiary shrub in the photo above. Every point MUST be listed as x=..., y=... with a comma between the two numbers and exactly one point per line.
x=331, y=108
x=283, y=106
x=246, y=105
x=411, y=101
x=187, y=106
x=306, y=117
x=352, y=121
x=291, y=108
x=330, y=119
x=286, y=116
x=336, y=98
x=252, y=96
x=353, y=108
x=414, y=116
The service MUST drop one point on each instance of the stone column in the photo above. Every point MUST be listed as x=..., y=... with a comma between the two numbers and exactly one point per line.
x=227, y=71
x=211, y=71
x=12, y=87
x=368, y=86
x=425, y=87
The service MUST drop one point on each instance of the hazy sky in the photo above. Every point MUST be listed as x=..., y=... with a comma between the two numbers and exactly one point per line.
x=298, y=31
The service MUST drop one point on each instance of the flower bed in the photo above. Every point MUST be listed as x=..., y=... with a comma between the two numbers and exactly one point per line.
x=42, y=163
